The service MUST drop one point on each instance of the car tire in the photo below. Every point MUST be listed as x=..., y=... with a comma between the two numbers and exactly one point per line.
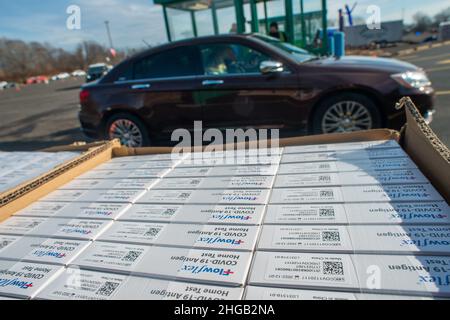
x=129, y=129
x=346, y=112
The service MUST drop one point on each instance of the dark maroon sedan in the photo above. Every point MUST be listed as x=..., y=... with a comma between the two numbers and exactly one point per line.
x=243, y=81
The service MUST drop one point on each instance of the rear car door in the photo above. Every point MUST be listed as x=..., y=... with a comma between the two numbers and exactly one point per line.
x=236, y=94
x=159, y=87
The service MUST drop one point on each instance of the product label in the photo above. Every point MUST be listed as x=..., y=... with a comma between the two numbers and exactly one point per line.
x=306, y=214
x=306, y=195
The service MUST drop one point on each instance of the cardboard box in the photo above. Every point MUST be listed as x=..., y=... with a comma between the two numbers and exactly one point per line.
x=82, y=229
x=418, y=240
x=79, y=210
x=350, y=155
x=233, y=238
x=268, y=293
x=108, y=184
x=436, y=212
x=200, y=266
x=200, y=214
x=245, y=182
x=108, y=196
x=405, y=275
x=343, y=166
x=348, y=194
x=210, y=196
x=25, y=279
x=409, y=176
x=44, y=250
x=93, y=285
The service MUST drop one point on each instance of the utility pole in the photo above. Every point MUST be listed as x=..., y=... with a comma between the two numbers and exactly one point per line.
x=109, y=34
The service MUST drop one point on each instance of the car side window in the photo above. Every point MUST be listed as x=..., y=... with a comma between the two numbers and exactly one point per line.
x=229, y=58
x=177, y=62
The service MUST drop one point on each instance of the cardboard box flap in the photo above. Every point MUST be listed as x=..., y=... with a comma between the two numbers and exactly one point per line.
x=425, y=148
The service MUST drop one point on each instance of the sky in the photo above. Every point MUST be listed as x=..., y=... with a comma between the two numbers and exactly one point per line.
x=136, y=22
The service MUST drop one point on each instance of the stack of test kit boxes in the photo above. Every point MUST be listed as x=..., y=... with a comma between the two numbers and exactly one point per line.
x=333, y=221
x=352, y=221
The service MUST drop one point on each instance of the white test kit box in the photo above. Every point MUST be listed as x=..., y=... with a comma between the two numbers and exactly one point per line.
x=132, y=165
x=151, y=157
x=58, y=228
x=125, y=174
x=108, y=196
x=107, y=184
x=363, y=154
x=80, y=210
x=268, y=293
x=350, y=178
x=238, y=170
x=343, y=166
x=371, y=193
x=7, y=240
x=240, y=238
x=210, y=196
x=93, y=285
x=244, y=182
x=421, y=240
x=44, y=250
x=25, y=279
x=229, y=161
x=436, y=212
x=362, y=145
x=201, y=214
x=203, y=266
x=425, y=275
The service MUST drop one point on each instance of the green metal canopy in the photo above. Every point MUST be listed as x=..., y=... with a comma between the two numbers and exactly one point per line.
x=301, y=28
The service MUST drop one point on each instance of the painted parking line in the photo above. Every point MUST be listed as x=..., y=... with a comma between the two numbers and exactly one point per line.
x=438, y=69
x=444, y=61
x=442, y=55
x=442, y=93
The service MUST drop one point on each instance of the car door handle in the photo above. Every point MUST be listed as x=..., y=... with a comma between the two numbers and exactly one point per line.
x=140, y=86
x=212, y=82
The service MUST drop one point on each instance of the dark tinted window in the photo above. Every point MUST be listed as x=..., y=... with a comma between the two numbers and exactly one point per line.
x=178, y=62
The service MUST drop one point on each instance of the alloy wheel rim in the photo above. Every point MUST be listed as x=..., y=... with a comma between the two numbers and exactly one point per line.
x=127, y=132
x=346, y=116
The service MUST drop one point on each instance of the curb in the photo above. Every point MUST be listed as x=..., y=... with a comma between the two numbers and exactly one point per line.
x=421, y=48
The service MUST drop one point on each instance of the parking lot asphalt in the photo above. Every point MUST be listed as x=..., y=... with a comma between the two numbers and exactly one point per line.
x=40, y=116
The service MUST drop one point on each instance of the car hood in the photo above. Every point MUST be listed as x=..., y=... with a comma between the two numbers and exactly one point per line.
x=367, y=63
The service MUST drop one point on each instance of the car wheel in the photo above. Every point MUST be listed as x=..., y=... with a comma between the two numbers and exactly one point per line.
x=346, y=113
x=128, y=129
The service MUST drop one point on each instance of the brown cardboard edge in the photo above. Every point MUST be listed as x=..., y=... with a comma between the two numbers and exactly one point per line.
x=23, y=195
x=426, y=149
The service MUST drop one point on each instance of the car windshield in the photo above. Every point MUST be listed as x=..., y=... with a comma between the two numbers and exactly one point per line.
x=298, y=54
x=96, y=69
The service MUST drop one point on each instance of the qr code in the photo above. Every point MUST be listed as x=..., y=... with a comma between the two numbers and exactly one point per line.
x=184, y=195
x=324, y=178
x=333, y=268
x=131, y=256
x=326, y=212
x=326, y=193
x=330, y=236
x=108, y=288
x=169, y=211
x=152, y=232
x=195, y=182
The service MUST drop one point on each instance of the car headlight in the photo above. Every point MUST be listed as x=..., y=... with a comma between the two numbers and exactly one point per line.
x=412, y=79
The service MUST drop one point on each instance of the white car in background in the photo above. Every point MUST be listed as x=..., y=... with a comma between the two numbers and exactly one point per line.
x=79, y=73
x=3, y=85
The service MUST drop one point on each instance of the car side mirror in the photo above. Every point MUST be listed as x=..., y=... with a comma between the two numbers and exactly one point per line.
x=269, y=67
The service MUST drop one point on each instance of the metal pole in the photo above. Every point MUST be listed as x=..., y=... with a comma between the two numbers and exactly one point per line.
x=324, y=27
x=166, y=22
x=194, y=24
x=108, y=32
x=289, y=23
x=302, y=16
x=240, y=18
x=214, y=17
x=266, y=21
x=255, y=22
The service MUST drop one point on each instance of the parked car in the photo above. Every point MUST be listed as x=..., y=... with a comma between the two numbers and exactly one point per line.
x=96, y=71
x=240, y=81
x=3, y=85
x=78, y=73
x=37, y=79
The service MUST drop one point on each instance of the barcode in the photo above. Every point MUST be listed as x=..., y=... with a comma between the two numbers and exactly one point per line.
x=334, y=268
x=324, y=166
x=326, y=212
x=131, y=256
x=108, y=288
x=330, y=236
x=326, y=193
x=152, y=232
